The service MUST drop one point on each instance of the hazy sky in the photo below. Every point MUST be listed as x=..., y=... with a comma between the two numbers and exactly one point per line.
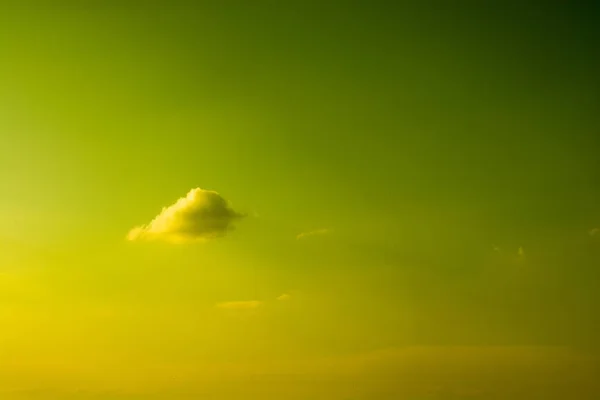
x=377, y=200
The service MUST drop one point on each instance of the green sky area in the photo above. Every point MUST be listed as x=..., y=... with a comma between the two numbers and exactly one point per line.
x=445, y=154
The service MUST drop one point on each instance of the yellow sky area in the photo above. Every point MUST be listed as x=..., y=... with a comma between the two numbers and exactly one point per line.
x=402, y=372
x=79, y=346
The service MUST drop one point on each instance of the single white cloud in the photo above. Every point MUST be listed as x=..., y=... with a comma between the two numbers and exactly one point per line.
x=594, y=231
x=200, y=215
x=284, y=297
x=240, y=305
x=313, y=233
x=521, y=252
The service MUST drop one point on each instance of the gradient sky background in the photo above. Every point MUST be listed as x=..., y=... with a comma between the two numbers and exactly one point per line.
x=430, y=141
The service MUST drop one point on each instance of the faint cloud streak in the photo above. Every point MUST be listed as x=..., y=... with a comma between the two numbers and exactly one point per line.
x=240, y=305
x=284, y=297
x=317, y=232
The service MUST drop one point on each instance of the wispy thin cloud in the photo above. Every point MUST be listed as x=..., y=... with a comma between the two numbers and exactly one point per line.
x=317, y=232
x=240, y=305
x=594, y=231
x=200, y=215
x=251, y=304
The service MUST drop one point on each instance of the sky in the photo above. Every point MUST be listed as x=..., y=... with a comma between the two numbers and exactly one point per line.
x=362, y=200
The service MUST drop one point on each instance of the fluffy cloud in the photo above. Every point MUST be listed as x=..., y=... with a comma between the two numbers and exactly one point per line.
x=594, y=231
x=240, y=305
x=284, y=297
x=313, y=233
x=200, y=215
